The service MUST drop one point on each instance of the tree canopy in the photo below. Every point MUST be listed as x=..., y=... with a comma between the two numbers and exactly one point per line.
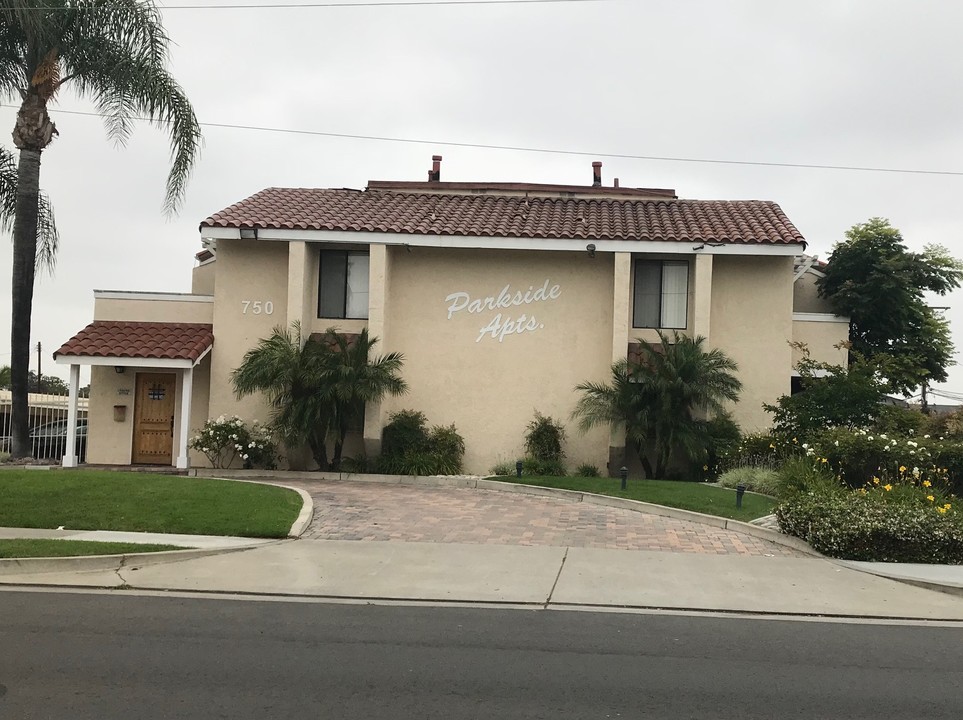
x=875, y=280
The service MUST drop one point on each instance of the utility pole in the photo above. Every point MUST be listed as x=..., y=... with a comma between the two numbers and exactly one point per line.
x=39, y=373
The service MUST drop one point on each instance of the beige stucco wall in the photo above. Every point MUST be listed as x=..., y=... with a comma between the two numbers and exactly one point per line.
x=823, y=339
x=491, y=389
x=806, y=296
x=184, y=308
x=202, y=278
x=257, y=272
x=752, y=322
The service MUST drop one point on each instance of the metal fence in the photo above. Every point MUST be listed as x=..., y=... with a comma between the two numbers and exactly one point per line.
x=48, y=425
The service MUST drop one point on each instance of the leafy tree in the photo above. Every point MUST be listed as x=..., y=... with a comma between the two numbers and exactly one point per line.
x=47, y=236
x=875, y=280
x=113, y=52
x=318, y=388
x=654, y=398
x=831, y=396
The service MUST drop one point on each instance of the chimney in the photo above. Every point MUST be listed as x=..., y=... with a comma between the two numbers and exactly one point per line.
x=596, y=174
x=434, y=175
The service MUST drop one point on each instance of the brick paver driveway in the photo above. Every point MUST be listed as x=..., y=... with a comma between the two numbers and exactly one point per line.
x=372, y=511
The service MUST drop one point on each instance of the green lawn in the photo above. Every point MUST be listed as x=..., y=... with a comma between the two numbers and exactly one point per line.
x=699, y=497
x=140, y=502
x=73, y=548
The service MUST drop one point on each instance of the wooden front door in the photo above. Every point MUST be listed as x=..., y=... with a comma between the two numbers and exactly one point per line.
x=154, y=419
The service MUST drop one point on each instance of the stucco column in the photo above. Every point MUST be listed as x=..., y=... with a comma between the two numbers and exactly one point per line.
x=187, y=383
x=298, y=298
x=621, y=314
x=70, y=458
x=702, y=296
x=377, y=326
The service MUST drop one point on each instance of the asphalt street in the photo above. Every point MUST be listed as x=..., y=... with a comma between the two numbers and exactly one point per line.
x=105, y=656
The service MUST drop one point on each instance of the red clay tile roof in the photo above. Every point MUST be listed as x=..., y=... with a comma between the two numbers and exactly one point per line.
x=149, y=340
x=603, y=218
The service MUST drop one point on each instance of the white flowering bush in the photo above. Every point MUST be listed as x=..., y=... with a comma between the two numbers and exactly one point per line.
x=224, y=440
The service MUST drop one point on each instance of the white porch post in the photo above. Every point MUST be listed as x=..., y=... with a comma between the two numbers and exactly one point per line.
x=70, y=456
x=187, y=382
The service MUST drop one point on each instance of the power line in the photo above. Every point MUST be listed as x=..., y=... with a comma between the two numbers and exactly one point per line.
x=364, y=4
x=544, y=151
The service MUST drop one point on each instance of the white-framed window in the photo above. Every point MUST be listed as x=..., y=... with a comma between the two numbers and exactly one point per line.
x=661, y=294
x=343, y=284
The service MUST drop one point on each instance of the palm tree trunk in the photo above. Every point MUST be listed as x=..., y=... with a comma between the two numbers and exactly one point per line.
x=24, y=267
x=319, y=450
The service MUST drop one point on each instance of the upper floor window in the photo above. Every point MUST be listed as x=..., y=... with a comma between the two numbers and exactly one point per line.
x=661, y=294
x=343, y=284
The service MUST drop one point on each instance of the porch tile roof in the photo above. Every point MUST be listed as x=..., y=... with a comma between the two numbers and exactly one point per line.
x=149, y=340
x=503, y=215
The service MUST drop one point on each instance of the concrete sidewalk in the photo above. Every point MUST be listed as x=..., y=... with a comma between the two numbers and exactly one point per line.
x=545, y=577
x=205, y=542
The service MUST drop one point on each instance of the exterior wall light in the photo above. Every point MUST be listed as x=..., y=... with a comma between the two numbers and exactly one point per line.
x=591, y=250
x=119, y=369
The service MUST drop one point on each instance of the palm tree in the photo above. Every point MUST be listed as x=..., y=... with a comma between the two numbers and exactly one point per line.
x=354, y=379
x=292, y=374
x=318, y=388
x=113, y=52
x=47, y=236
x=654, y=398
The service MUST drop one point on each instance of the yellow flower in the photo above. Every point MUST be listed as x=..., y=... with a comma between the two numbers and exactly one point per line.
x=942, y=510
x=902, y=468
x=875, y=480
x=823, y=460
x=795, y=440
x=930, y=498
x=887, y=487
x=771, y=446
x=926, y=483
x=947, y=506
x=705, y=467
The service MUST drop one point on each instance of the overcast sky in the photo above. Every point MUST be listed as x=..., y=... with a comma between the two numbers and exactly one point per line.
x=869, y=83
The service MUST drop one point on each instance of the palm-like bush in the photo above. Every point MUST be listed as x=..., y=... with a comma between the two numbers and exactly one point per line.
x=654, y=398
x=353, y=378
x=113, y=52
x=318, y=388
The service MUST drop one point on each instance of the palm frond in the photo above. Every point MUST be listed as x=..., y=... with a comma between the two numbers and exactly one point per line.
x=48, y=239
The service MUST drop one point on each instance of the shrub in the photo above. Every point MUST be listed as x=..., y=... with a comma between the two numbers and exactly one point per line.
x=358, y=464
x=410, y=447
x=503, y=468
x=891, y=522
x=756, y=479
x=831, y=396
x=223, y=440
x=531, y=466
x=544, y=438
x=586, y=470
x=722, y=441
x=895, y=420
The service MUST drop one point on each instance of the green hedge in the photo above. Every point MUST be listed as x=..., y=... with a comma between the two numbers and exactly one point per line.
x=885, y=523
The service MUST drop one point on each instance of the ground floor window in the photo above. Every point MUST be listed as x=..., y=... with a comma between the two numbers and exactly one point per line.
x=343, y=284
x=661, y=294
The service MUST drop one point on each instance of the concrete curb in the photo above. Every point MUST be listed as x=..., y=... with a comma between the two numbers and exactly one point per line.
x=18, y=566
x=303, y=519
